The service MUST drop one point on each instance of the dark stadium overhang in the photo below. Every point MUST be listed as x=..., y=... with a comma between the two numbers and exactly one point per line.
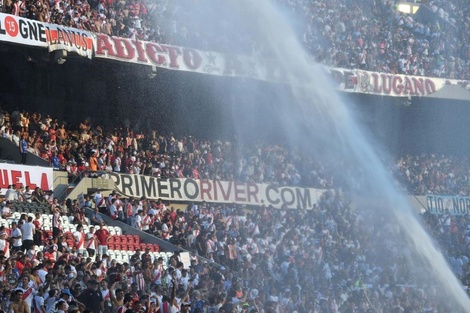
x=426, y=15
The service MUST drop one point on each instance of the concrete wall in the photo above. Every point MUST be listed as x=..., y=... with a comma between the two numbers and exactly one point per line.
x=10, y=152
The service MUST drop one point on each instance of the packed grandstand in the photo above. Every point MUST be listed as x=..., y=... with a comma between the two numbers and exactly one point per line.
x=150, y=245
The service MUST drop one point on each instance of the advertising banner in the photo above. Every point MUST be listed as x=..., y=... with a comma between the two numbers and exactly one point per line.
x=23, y=31
x=186, y=189
x=455, y=205
x=28, y=32
x=175, y=57
x=397, y=85
x=19, y=30
x=32, y=176
x=207, y=62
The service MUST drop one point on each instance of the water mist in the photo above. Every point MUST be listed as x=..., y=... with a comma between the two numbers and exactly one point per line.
x=315, y=117
x=319, y=116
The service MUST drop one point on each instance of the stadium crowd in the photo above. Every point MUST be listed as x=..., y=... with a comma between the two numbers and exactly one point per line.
x=370, y=35
x=89, y=148
x=318, y=260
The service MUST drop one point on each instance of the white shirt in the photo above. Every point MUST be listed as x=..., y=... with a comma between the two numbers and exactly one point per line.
x=30, y=291
x=38, y=302
x=42, y=275
x=11, y=195
x=6, y=210
x=97, y=199
x=138, y=221
x=78, y=238
x=15, y=233
x=113, y=211
x=3, y=245
x=90, y=241
x=27, y=230
x=50, y=304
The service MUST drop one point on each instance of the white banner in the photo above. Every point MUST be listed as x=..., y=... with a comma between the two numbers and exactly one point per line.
x=262, y=68
x=19, y=30
x=398, y=85
x=181, y=58
x=454, y=205
x=24, y=31
x=32, y=176
x=185, y=189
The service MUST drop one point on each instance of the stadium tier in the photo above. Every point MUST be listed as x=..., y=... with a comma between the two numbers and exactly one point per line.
x=192, y=156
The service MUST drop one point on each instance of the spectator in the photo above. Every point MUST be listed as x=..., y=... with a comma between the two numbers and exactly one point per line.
x=102, y=234
x=96, y=218
x=16, y=236
x=23, y=149
x=6, y=210
x=28, y=230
